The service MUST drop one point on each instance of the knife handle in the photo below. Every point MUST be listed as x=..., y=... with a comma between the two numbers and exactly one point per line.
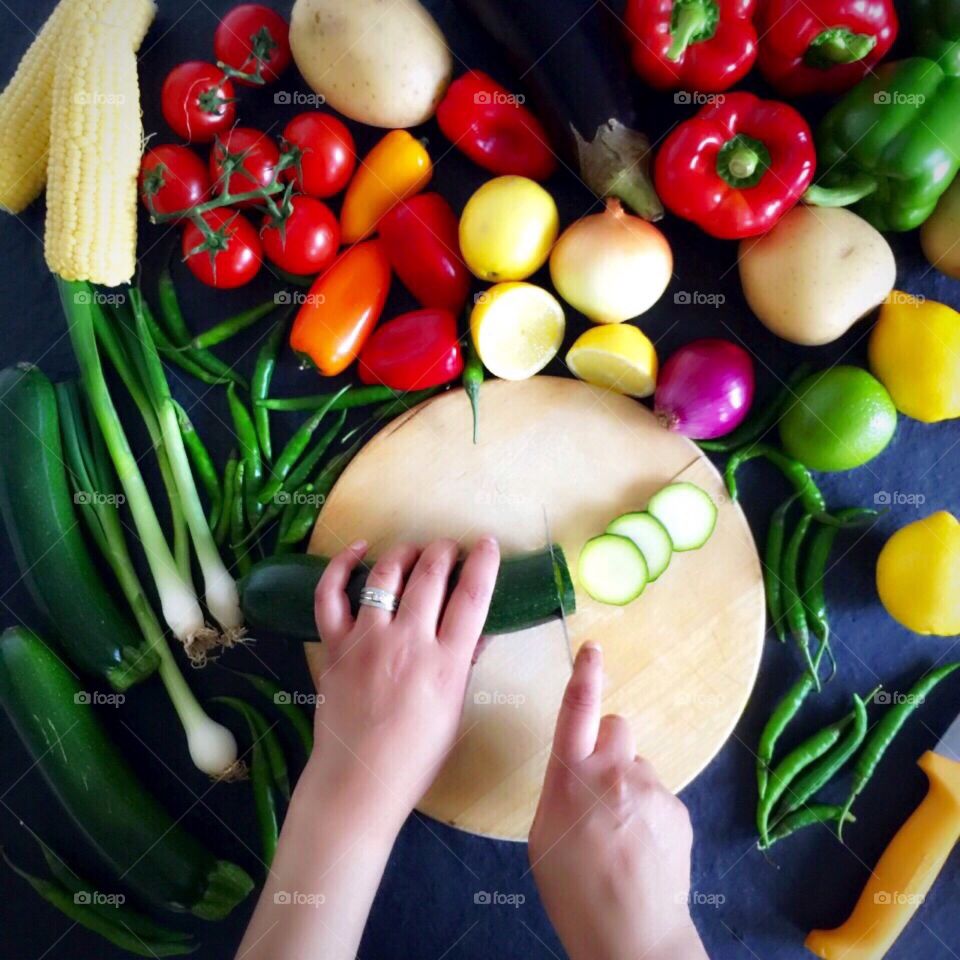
x=904, y=874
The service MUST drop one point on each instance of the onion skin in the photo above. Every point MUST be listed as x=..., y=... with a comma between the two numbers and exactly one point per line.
x=705, y=389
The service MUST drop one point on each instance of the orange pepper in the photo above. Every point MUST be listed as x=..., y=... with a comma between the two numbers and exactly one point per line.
x=396, y=168
x=342, y=308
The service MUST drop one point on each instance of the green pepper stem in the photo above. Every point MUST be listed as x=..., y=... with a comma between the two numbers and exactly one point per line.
x=691, y=21
x=849, y=191
x=838, y=45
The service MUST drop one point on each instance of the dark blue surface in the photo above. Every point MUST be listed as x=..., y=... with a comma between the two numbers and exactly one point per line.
x=746, y=906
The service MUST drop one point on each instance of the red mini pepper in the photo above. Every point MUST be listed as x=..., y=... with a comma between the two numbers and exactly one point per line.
x=420, y=236
x=702, y=45
x=494, y=129
x=415, y=350
x=737, y=166
x=823, y=46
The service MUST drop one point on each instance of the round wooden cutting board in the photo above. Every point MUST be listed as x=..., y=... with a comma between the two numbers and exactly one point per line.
x=680, y=660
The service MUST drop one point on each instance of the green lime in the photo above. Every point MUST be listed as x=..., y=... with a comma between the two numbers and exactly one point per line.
x=840, y=419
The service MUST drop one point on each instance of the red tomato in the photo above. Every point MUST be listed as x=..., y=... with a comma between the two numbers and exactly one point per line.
x=307, y=241
x=172, y=178
x=327, y=152
x=197, y=101
x=252, y=37
x=247, y=158
x=230, y=257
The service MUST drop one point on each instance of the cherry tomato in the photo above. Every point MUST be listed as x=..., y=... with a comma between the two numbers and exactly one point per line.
x=230, y=257
x=307, y=241
x=197, y=101
x=248, y=157
x=253, y=39
x=172, y=178
x=327, y=156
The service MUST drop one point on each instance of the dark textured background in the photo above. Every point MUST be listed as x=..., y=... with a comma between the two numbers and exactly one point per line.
x=747, y=906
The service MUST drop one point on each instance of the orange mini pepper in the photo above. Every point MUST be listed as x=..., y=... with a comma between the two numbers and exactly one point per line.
x=396, y=168
x=342, y=307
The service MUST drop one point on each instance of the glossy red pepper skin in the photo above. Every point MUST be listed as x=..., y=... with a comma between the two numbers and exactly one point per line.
x=415, y=350
x=791, y=58
x=420, y=236
x=713, y=59
x=494, y=129
x=701, y=171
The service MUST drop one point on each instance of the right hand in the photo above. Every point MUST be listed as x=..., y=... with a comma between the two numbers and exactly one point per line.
x=610, y=846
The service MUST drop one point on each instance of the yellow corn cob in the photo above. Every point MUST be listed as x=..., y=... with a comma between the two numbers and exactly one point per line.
x=95, y=147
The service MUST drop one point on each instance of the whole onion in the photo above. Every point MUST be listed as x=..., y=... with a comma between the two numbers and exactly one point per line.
x=705, y=389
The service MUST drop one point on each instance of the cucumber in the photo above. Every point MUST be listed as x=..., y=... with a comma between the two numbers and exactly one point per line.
x=277, y=594
x=140, y=841
x=650, y=536
x=612, y=569
x=58, y=570
x=687, y=513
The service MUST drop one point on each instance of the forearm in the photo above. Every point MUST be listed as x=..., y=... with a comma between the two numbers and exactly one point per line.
x=332, y=852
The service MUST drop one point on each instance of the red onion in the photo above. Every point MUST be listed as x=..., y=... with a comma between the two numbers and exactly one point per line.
x=705, y=389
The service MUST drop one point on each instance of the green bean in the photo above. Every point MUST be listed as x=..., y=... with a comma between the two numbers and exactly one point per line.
x=755, y=426
x=790, y=767
x=281, y=700
x=473, y=374
x=354, y=397
x=230, y=327
x=237, y=516
x=807, y=817
x=772, y=565
x=794, y=611
x=249, y=451
x=260, y=383
x=202, y=464
x=798, y=475
x=222, y=529
x=886, y=730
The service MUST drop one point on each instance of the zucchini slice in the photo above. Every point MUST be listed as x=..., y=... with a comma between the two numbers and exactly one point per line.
x=687, y=512
x=650, y=536
x=612, y=569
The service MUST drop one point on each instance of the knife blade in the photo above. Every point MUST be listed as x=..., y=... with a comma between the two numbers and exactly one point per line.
x=563, y=612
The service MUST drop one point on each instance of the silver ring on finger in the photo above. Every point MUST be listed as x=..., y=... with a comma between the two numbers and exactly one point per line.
x=380, y=599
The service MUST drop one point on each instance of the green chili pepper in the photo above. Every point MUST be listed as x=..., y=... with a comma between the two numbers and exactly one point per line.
x=230, y=327
x=794, y=611
x=176, y=325
x=237, y=517
x=222, y=529
x=202, y=464
x=354, y=397
x=755, y=426
x=886, y=730
x=798, y=475
x=263, y=732
x=249, y=451
x=807, y=817
x=772, y=566
x=260, y=383
x=473, y=375
x=392, y=408
x=289, y=515
x=281, y=700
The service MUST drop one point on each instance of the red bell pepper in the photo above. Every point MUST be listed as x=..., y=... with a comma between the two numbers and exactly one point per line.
x=702, y=45
x=737, y=166
x=494, y=129
x=823, y=46
x=420, y=236
x=415, y=350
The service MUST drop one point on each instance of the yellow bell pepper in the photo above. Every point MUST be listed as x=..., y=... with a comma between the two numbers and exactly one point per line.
x=396, y=168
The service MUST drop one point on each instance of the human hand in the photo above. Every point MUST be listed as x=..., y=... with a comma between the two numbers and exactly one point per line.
x=392, y=685
x=610, y=846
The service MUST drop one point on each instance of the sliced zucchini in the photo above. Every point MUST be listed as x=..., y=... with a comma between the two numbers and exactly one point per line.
x=650, y=536
x=687, y=512
x=612, y=569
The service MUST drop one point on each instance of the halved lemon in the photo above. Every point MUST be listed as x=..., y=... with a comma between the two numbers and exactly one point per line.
x=517, y=329
x=616, y=356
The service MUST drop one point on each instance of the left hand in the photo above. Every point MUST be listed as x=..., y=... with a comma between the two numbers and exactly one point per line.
x=392, y=685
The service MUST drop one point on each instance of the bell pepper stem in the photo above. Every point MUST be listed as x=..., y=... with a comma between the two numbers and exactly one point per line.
x=848, y=192
x=690, y=22
x=838, y=45
x=743, y=161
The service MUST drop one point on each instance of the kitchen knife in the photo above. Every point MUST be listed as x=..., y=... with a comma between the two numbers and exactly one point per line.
x=905, y=873
x=563, y=612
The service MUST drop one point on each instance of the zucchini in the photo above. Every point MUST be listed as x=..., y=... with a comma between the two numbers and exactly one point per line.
x=612, y=569
x=687, y=512
x=650, y=536
x=143, y=845
x=55, y=564
x=277, y=594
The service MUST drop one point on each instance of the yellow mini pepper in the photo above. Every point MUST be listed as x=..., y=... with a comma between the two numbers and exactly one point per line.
x=396, y=168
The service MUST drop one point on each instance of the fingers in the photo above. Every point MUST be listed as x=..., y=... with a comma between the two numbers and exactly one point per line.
x=615, y=739
x=331, y=607
x=470, y=601
x=426, y=588
x=388, y=573
x=579, y=719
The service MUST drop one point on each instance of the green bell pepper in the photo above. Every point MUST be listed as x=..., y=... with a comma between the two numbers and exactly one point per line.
x=891, y=145
x=936, y=29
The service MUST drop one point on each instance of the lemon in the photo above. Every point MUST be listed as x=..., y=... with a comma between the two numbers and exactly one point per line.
x=617, y=356
x=915, y=353
x=918, y=575
x=517, y=329
x=507, y=229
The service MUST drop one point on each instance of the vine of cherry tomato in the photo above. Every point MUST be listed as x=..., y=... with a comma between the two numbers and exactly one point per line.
x=306, y=241
x=234, y=256
x=243, y=160
x=253, y=39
